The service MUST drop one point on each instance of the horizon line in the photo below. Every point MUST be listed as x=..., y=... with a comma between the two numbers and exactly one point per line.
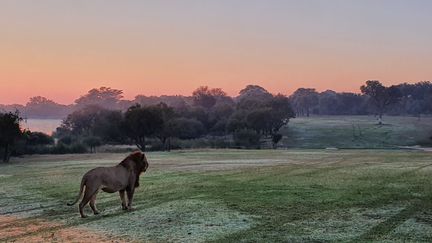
x=190, y=93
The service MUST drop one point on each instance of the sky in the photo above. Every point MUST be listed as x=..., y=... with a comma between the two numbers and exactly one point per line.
x=60, y=49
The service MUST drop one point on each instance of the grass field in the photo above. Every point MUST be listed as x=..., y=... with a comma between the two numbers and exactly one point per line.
x=356, y=132
x=228, y=196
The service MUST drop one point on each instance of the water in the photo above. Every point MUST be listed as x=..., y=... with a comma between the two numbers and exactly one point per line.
x=47, y=126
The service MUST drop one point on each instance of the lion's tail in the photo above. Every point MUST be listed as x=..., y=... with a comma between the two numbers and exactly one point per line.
x=80, y=192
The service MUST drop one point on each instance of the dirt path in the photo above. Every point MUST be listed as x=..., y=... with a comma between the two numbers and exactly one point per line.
x=427, y=149
x=14, y=229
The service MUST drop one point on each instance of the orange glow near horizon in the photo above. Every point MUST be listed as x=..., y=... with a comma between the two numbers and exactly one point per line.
x=65, y=80
x=64, y=87
x=62, y=49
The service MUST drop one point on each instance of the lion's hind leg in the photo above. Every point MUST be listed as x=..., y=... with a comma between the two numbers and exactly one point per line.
x=93, y=204
x=89, y=193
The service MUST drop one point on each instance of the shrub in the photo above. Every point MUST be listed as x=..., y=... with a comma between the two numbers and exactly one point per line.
x=74, y=148
x=276, y=138
x=247, y=138
x=37, y=138
x=92, y=142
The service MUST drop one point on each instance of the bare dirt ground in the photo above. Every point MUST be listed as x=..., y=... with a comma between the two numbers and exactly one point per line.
x=27, y=230
x=417, y=147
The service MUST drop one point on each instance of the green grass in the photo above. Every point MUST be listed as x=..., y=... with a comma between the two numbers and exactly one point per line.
x=238, y=195
x=356, y=132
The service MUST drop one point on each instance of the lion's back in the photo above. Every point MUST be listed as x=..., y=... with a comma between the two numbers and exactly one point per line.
x=106, y=175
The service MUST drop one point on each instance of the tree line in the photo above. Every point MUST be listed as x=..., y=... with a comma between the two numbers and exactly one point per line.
x=250, y=120
x=405, y=99
x=256, y=116
x=375, y=98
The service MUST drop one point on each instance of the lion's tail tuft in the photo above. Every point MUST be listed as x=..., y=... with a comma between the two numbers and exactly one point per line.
x=80, y=192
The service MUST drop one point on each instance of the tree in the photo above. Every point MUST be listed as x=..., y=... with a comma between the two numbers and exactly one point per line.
x=165, y=134
x=37, y=138
x=104, y=97
x=10, y=132
x=92, y=126
x=141, y=122
x=34, y=143
x=92, y=142
x=185, y=128
x=175, y=101
x=275, y=139
x=12, y=108
x=260, y=121
x=199, y=113
x=268, y=120
x=237, y=121
x=253, y=91
x=304, y=100
x=281, y=112
x=328, y=102
x=82, y=122
x=381, y=97
x=39, y=106
x=247, y=138
x=207, y=97
x=265, y=119
x=415, y=98
x=218, y=118
x=351, y=104
x=253, y=97
x=107, y=126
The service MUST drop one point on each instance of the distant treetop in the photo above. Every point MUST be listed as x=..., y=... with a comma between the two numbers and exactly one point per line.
x=104, y=96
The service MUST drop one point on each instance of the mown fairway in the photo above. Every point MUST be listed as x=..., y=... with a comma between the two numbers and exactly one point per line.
x=356, y=132
x=227, y=195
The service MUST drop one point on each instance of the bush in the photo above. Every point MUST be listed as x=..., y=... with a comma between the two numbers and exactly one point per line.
x=78, y=148
x=156, y=145
x=75, y=148
x=37, y=138
x=219, y=142
x=67, y=140
x=185, y=128
x=37, y=149
x=117, y=148
x=92, y=142
x=276, y=138
x=247, y=138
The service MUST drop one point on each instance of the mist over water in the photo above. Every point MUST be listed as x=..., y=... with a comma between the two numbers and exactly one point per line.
x=47, y=126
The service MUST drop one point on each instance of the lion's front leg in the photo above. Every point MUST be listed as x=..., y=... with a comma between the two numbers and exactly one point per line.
x=130, y=194
x=123, y=199
x=137, y=182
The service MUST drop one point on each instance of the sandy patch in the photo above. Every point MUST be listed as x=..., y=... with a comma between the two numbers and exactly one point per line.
x=13, y=229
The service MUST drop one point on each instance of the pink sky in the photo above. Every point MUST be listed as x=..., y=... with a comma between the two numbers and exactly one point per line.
x=61, y=49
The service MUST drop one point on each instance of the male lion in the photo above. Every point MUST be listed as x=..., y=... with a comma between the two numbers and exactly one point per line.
x=123, y=177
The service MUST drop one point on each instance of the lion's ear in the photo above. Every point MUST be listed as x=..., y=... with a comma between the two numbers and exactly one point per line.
x=142, y=156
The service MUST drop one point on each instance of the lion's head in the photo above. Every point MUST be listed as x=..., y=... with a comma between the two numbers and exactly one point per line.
x=136, y=161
